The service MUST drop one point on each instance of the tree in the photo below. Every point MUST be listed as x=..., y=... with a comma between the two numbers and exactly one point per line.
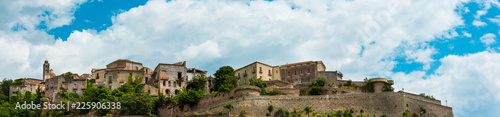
x=423, y=110
x=258, y=82
x=270, y=108
x=368, y=87
x=339, y=113
x=308, y=110
x=198, y=82
x=229, y=83
x=318, y=82
x=225, y=80
x=6, y=86
x=316, y=90
x=361, y=111
x=191, y=97
x=68, y=76
x=39, y=96
x=387, y=88
x=229, y=106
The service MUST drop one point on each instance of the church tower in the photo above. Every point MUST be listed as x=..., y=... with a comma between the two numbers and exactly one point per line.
x=46, y=70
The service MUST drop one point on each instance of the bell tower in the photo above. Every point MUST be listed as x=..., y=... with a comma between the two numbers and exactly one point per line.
x=46, y=70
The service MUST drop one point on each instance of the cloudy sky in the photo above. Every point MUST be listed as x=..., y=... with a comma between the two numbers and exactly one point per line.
x=445, y=48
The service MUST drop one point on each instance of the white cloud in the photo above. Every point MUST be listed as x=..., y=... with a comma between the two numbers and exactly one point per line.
x=466, y=34
x=488, y=39
x=478, y=23
x=467, y=82
x=29, y=13
x=495, y=20
x=356, y=37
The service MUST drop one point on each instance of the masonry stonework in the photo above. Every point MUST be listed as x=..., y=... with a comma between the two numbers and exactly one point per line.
x=391, y=104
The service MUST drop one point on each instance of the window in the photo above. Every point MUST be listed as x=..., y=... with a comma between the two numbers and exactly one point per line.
x=146, y=80
x=83, y=86
x=308, y=70
x=238, y=75
x=164, y=83
x=74, y=86
x=109, y=87
x=260, y=69
x=136, y=68
x=176, y=92
x=276, y=71
x=260, y=77
x=179, y=75
x=97, y=76
x=167, y=91
x=169, y=84
x=121, y=79
x=110, y=79
x=295, y=72
x=149, y=91
x=269, y=71
x=163, y=75
x=300, y=71
x=174, y=84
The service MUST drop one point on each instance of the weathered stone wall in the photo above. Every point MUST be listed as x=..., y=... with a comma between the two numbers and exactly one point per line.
x=390, y=103
x=167, y=76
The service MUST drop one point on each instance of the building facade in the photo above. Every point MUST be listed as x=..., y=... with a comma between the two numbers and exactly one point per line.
x=170, y=77
x=28, y=84
x=116, y=74
x=54, y=84
x=302, y=72
x=255, y=70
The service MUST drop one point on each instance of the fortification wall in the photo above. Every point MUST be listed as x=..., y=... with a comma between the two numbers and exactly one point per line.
x=389, y=103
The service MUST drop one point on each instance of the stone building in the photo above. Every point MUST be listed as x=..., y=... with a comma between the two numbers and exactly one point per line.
x=331, y=76
x=76, y=85
x=46, y=70
x=28, y=84
x=296, y=73
x=117, y=72
x=302, y=72
x=170, y=77
x=255, y=70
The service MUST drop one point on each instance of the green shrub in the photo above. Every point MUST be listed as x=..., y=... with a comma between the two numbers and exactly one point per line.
x=316, y=90
x=272, y=92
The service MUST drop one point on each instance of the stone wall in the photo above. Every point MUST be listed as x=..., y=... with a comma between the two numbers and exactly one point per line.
x=390, y=103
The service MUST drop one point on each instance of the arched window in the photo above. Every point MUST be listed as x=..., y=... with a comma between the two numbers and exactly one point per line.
x=167, y=91
x=164, y=83
x=169, y=84
x=176, y=91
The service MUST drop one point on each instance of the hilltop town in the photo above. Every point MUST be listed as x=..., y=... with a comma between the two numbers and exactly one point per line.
x=257, y=89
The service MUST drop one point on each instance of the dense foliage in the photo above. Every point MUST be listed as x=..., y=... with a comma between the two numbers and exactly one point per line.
x=368, y=87
x=225, y=79
x=387, y=88
x=198, y=82
x=316, y=86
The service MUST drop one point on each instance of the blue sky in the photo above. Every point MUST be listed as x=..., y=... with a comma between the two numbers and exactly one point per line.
x=446, y=48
